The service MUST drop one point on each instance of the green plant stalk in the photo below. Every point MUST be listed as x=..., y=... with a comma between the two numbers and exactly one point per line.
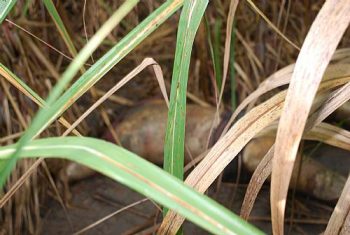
x=47, y=115
x=215, y=56
x=140, y=175
x=26, y=8
x=217, y=53
x=190, y=19
x=232, y=72
x=60, y=26
x=210, y=42
x=175, y=134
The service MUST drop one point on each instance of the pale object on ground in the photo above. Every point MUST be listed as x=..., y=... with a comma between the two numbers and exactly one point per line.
x=142, y=131
x=314, y=178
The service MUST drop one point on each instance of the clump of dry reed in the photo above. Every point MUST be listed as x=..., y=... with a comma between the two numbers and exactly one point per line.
x=259, y=52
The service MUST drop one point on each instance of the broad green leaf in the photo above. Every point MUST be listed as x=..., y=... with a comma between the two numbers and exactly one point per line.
x=140, y=175
x=190, y=18
x=5, y=8
x=40, y=120
x=54, y=109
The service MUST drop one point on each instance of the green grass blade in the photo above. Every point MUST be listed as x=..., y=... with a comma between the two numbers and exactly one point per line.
x=60, y=26
x=47, y=115
x=25, y=8
x=190, y=18
x=41, y=119
x=232, y=71
x=217, y=53
x=5, y=8
x=214, y=49
x=27, y=91
x=140, y=175
x=90, y=47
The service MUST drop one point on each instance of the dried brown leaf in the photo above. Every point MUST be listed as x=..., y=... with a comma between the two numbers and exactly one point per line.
x=331, y=135
x=346, y=226
x=320, y=43
x=230, y=17
x=145, y=63
x=340, y=212
x=283, y=76
x=225, y=150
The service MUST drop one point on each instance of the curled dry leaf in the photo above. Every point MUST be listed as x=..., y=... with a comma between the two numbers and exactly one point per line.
x=263, y=170
x=333, y=184
x=283, y=76
x=314, y=178
x=226, y=149
x=145, y=63
x=323, y=132
x=318, y=47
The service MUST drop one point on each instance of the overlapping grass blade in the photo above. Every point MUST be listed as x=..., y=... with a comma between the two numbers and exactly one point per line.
x=5, y=8
x=27, y=91
x=145, y=63
x=325, y=133
x=60, y=26
x=70, y=127
x=140, y=175
x=283, y=76
x=70, y=45
x=93, y=74
x=318, y=47
x=255, y=8
x=226, y=149
x=190, y=18
x=43, y=114
x=263, y=171
x=232, y=71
